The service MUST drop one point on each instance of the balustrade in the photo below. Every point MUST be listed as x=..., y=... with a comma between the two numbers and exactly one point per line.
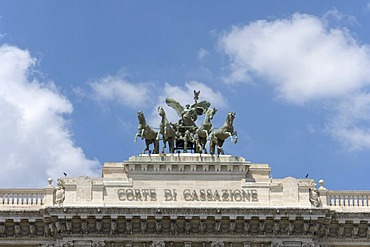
x=21, y=197
x=348, y=198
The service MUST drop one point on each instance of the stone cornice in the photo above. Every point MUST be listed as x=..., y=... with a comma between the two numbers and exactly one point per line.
x=184, y=224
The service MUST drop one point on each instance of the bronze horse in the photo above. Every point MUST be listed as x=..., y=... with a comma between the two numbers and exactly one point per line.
x=147, y=133
x=220, y=135
x=204, y=131
x=166, y=130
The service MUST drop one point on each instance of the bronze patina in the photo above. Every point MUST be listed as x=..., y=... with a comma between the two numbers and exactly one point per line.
x=184, y=135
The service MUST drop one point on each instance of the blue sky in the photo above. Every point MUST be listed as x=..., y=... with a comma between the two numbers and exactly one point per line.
x=73, y=75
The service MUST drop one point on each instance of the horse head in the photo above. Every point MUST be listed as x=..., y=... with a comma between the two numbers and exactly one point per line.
x=230, y=118
x=209, y=114
x=140, y=116
x=212, y=113
x=161, y=111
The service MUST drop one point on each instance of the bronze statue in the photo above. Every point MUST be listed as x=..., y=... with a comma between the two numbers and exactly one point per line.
x=204, y=130
x=189, y=114
x=147, y=133
x=219, y=136
x=167, y=131
x=185, y=134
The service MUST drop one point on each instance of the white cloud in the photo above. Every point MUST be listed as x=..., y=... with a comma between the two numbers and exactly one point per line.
x=367, y=6
x=300, y=56
x=117, y=89
x=202, y=53
x=35, y=142
x=305, y=60
x=351, y=122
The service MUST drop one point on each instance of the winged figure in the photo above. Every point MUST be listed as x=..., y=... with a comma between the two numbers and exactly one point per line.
x=196, y=96
x=188, y=114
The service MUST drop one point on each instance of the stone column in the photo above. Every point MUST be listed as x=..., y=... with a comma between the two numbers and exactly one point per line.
x=49, y=194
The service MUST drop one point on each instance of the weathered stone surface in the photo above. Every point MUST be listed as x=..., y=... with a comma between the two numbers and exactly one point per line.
x=185, y=200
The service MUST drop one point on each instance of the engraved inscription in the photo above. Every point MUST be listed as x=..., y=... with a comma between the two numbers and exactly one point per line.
x=171, y=195
x=137, y=195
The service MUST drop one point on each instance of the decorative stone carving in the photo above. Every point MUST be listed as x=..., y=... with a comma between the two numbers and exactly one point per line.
x=348, y=230
x=246, y=244
x=232, y=227
x=53, y=229
x=46, y=231
x=321, y=182
x=158, y=244
x=247, y=228
x=158, y=226
x=129, y=227
x=98, y=227
x=308, y=244
x=2, y=231
x=340, y=232
x=39, y=228
x=291, y=228
x=66, y=244
x=314, y=195
x=187, y=244
x=59, y=193
x=217, y=244
x=113, y=229
x=32, y=231
x=84, y=229
x=98, y=244
x=262, y=227
x=277, y=244
x=17, y=230
x=355, y=232
x=362, y=230
x=69, y=226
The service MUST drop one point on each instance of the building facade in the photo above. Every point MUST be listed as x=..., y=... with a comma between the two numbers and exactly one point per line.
x=184, y=200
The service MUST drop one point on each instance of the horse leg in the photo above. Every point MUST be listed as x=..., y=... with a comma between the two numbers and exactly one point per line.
x=212, y=146
x=164, y=145
x=156, y=146
x=220, y=150
x=147, y=146
x=185, y=146
x=206, y=132
x=136, y=136
x=236, y=136
x=141, y=134
x=170, y=144
x=198, y=146
x=204, y=145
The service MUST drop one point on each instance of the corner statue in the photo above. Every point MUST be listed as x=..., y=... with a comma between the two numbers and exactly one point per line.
x=185, y=135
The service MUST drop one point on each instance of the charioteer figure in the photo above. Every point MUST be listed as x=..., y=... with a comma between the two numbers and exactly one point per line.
x=185, y=135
